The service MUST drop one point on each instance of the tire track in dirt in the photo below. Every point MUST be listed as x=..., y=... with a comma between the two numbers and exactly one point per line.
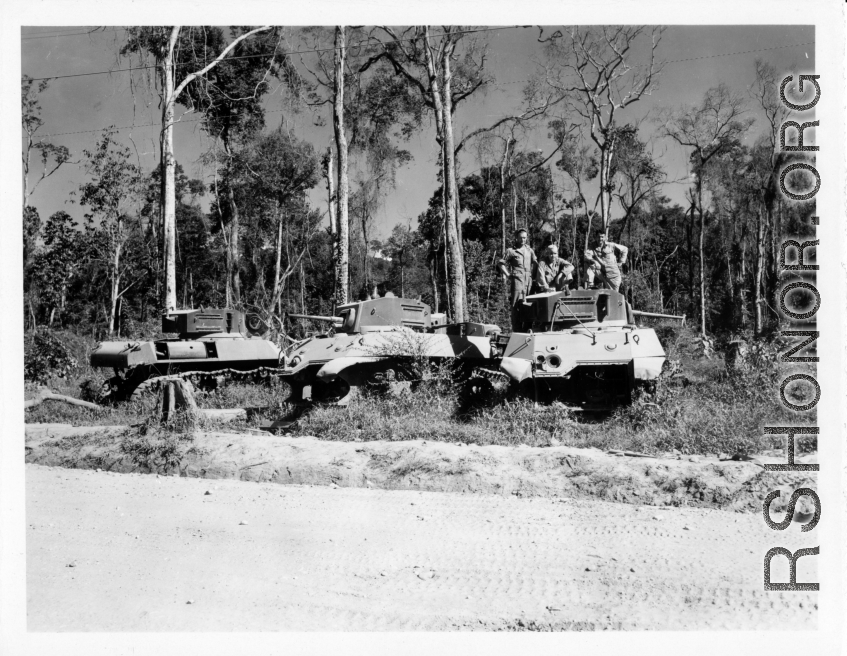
x=318, y=558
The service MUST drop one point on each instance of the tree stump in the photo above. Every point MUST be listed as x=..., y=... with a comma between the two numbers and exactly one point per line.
x=178, y=398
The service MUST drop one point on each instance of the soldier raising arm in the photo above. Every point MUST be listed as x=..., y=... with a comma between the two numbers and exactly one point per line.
x=604, y=262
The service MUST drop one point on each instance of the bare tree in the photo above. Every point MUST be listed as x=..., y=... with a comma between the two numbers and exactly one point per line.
x=52, y=156
x=765, y=92
x=581, y=166
x=443, y=76
x=342, y=264
x=594, y=66
x=708, y=129
x=367, y=103
x=538, y=102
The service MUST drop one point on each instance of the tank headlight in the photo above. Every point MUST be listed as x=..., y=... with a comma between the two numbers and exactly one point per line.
x=554, y=361
x=539, y=360
x=294, y=361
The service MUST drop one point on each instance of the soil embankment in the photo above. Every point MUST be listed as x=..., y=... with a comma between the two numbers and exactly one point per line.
x=555, y=472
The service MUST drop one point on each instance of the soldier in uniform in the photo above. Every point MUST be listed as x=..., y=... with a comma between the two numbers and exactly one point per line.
x=553, y=271
x=603, y=263
x=517, y=267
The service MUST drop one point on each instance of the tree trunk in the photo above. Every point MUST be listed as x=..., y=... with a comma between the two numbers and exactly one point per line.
x=758, y=272
x=604, y=174
x=552, y=217
x=402, y=279
x=433, y=275
x=302, y=289
x=333, y=221
x=113, y=305
x=343, y=251
x=741, y=279
x=277, y=265
x=233, y=253
x=574, y=261
x=454, y=262
x=702, y=259
x=26, y=172
x=456, y=258
x=365, y=250
x=170, y=93
x=168, y=204
x=729, y=249
x=690, y=238
x=502, y=191
x=514, y=206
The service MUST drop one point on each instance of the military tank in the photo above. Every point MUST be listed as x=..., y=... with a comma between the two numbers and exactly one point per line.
x=212, y=345
x=384, y=340
x=580, y=346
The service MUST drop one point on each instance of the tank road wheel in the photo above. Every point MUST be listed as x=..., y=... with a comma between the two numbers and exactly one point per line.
x=477, y=391
x=334, y=392
x=261, y=376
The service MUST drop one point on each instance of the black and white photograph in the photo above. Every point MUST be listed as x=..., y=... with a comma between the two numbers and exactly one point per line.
x=427, y=328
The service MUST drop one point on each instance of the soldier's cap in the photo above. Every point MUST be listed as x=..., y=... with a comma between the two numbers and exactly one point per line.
x=519, y=231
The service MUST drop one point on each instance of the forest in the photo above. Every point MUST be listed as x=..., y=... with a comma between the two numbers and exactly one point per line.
x=285, y=225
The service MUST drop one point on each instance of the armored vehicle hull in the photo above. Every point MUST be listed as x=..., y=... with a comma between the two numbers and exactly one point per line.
x=582, y=347
x=382, y=340
x=212, y=345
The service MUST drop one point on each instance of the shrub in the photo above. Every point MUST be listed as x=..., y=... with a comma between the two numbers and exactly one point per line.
x=47, y=356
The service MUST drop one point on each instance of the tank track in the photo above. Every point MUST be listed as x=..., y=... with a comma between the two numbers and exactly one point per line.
x=496, y=377
x=153, y=384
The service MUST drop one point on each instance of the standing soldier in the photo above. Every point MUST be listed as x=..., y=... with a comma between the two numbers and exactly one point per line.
x=553, y=271
x=604, y=262
x=516, y=267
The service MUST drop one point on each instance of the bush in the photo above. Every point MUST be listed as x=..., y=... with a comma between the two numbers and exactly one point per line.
x=47, y=356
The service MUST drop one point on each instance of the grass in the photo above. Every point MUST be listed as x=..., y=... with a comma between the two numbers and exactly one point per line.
x=704, y=408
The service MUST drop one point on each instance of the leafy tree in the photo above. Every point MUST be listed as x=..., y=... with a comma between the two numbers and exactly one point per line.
x=401, y=247
x=112, y=196
x=638, y=175
x=277, y=171
x=371, y=111
x=55, y=264
x=161, y=43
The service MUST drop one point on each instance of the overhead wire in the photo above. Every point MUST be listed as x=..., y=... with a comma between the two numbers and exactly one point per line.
x=54, y=35
x=284, y=54
x=672, y=61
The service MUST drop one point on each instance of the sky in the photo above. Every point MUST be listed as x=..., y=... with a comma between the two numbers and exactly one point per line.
x=76, y=109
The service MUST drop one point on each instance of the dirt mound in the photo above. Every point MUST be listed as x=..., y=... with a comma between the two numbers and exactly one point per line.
x=416, y=465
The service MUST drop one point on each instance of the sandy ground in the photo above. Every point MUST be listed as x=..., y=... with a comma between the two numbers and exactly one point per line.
x=132, y=552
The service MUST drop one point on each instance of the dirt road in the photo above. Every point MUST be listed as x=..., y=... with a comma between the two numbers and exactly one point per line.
x=130, y=552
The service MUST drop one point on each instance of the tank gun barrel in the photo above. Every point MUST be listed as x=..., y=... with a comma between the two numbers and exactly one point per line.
x=315, y=317
x=639, y=313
